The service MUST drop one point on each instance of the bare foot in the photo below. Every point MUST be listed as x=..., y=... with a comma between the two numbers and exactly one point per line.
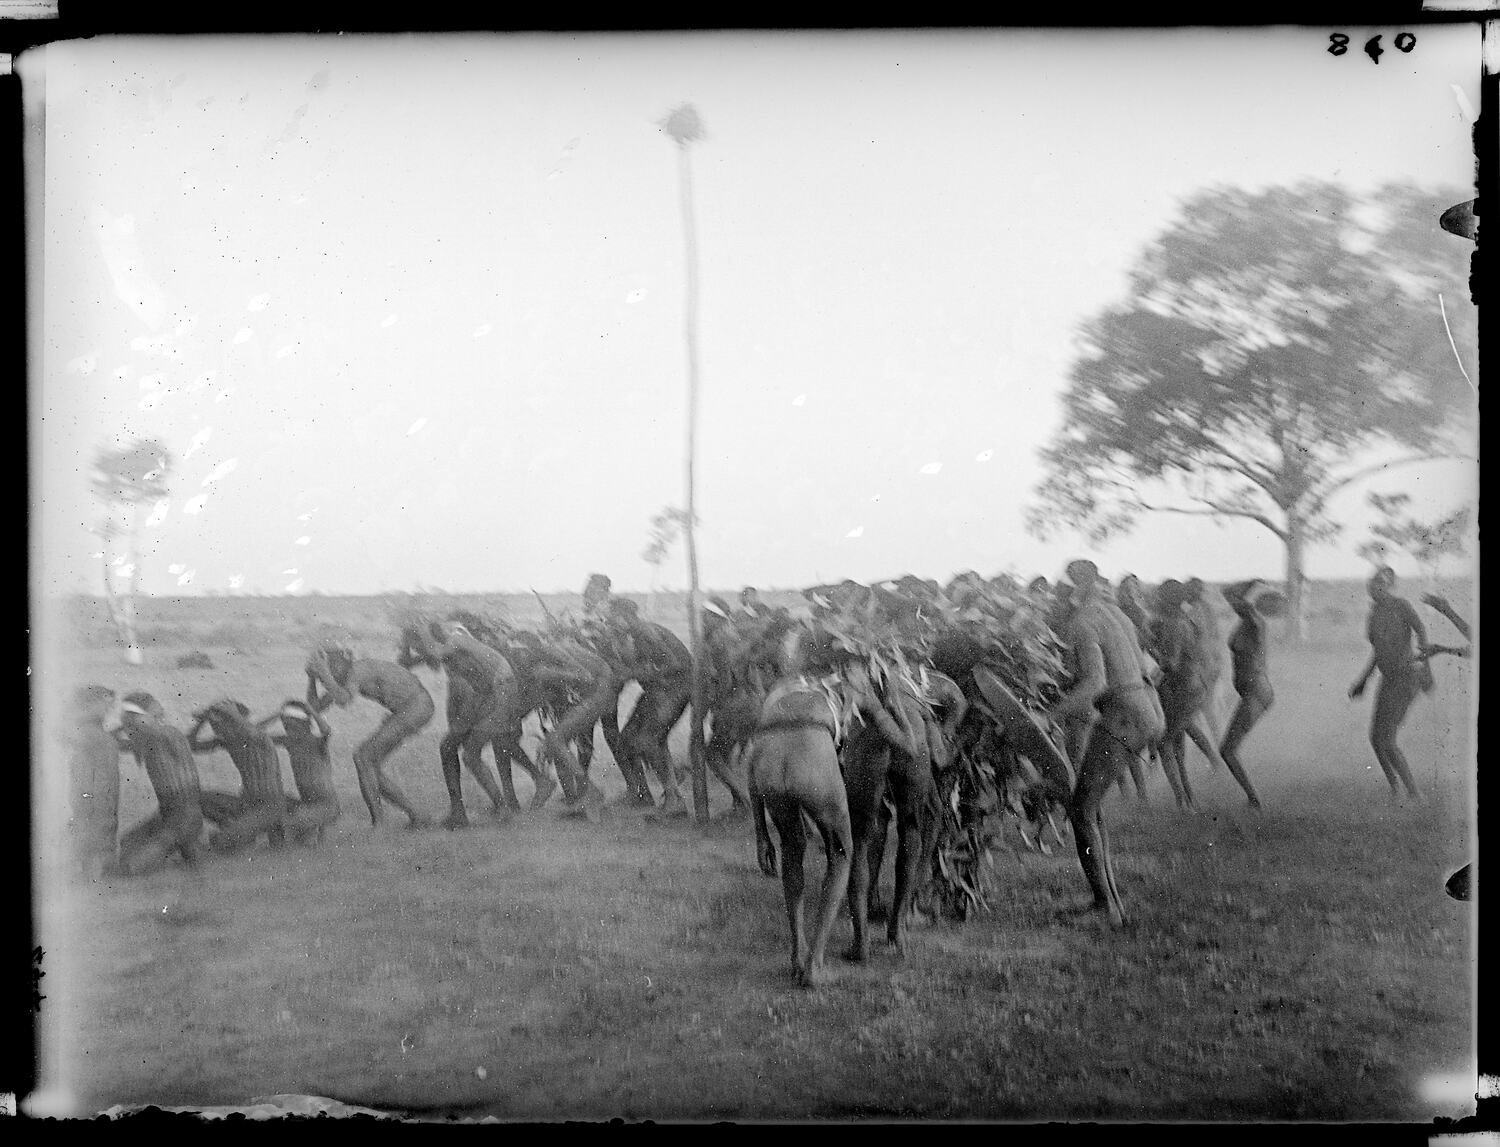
x=812, y=976
x=591, y=807
x=672, y=808
x=457, y=818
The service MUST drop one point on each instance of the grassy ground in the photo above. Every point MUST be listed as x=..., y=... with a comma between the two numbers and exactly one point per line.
x=1298, y=964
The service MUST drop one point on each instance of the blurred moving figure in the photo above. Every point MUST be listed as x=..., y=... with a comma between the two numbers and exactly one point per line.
x=1248, y=647
x=164, y=753
x=94, y=776
x=1391, y=625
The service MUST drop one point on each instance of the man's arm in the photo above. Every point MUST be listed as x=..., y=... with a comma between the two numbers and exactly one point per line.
x=1414, y=619
x=197, y=743
x=1359, y=682
x=318, y=673
x=322, y=725
x=1440, y=603
x=896, y=730
x=429, y=644
x=1091, y=681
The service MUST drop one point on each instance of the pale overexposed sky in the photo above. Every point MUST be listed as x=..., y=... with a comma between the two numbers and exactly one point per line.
x=408, y=310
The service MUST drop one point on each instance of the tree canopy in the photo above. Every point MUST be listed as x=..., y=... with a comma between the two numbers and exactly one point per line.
x=1269, y=345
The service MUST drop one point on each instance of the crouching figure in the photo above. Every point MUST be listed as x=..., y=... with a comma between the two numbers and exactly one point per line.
x=793, y=772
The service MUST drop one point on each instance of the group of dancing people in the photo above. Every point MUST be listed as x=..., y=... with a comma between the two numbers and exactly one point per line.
x=1140, y=672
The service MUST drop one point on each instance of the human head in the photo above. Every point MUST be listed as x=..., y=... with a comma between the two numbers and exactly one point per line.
x=1193, y=589
x=226, y=714
x=1242, y=593
x=340, y=662
x=295, y=717
x=624, y=610
x=1082, y=574
x=749, y=596
x=596, y=591
x=475, y=625
x=1170, y=595
x=140, y=708
x=1382, y=582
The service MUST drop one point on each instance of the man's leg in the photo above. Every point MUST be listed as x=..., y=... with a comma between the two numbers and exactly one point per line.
x=465, y=708
x=256, y=817
x=632, y=755
x=578, y=722
x=664, y=707
x=864, y=776
x=1249, y=711
x=832, y=818
x=787, y=813
x=306, y=819
x=369, y=762
x=1392, y=701
x=219, y=808
x=1113, y=742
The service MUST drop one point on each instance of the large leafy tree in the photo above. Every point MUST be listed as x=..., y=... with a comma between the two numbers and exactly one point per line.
x=126, y=479
x=1273, y=349
x=1428, y=542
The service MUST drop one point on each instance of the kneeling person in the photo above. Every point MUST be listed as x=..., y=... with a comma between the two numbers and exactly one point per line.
x=305, y=737
x=94, y=773
x=164, y=753
x=260, y=808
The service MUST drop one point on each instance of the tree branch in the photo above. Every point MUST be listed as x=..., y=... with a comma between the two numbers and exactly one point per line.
x=1214, y=510
x=1367, y=471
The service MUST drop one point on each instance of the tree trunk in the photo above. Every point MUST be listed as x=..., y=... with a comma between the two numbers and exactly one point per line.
x=1296, y=582
x=133, y=653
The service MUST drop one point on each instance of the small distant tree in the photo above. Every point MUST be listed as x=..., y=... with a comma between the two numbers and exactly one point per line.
x=125, y=479
x=666, y=528
x=1428, y=543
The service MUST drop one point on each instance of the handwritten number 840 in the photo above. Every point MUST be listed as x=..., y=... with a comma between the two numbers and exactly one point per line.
x=1338, y=44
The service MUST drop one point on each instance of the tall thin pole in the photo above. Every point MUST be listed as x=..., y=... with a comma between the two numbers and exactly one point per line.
x=684, y=127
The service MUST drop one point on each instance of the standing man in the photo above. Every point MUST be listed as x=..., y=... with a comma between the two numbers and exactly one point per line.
x=1184, y=687
x=409, y=707
x=1109, y=675
x=164, y=753
x=1212, y=644
x=663, y=667
x=480, y=710
x=596, y=596
x=1391, y=627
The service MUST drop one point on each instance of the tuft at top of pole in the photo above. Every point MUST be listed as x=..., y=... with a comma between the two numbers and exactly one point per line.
x=683, y=125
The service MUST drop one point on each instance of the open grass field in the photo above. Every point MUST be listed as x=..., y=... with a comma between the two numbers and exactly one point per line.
x=1299, y=964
